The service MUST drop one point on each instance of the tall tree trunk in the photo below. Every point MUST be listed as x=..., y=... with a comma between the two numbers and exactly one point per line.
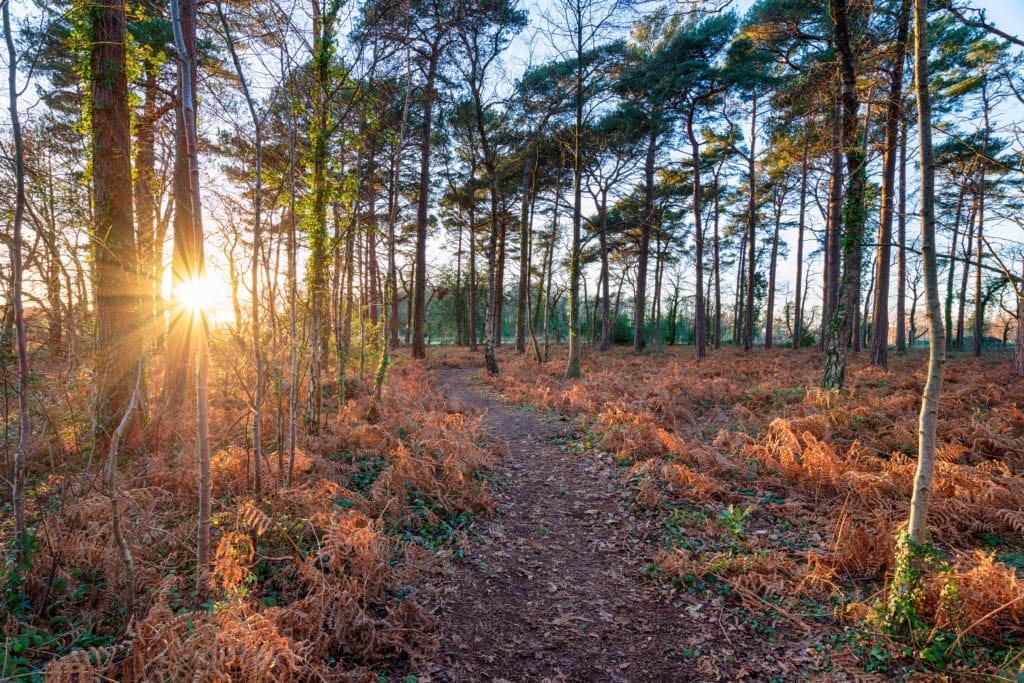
x=833, y=231
x=473, y=324
x=522, y=311
x=708, y=314
x=293, y=296
x=979, y=299
x=936, y=357
x=179, y=372
x=645, y=241
x=841, y=327
x=499, y=318
x=748, y=326
x=862, y=328
x=183, y=17
x=376, y=302
x=606, y=317
x=145, y=188
x=590, y=313
x=1018, y=349
x=618, y=295
x=24, y=452
x=965, y=278
x=492, y=324
x=389, y=328
x=392, y=276
x=549, y=269
x=717, y=267
x=659, y=269
x=912, y=317
x=574, y=366
x=699, y=320
x=419, y=348
x=769, y=322
x=459, y=313
x=316, y=271
x=347, y=302
x=257, y=246
x=737, y=318
x=951, y=270
x=893, y=114
x=117, y=289
x=408, y=305
x=901, y=238
x=538, y=304
x=798, y=309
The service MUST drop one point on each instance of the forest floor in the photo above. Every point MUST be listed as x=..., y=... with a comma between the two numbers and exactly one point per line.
x=659, y=519
x=664, y=519
x=554, y=588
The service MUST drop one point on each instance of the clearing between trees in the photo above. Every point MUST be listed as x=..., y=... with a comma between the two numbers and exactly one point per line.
x=554, y=590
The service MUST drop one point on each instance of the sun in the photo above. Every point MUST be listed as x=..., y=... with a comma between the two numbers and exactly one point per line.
x=197, y=295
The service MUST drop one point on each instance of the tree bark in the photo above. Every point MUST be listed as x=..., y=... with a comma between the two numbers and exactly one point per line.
x=606, y=318
x=389, y=328
x=1018, y=350
x=748, y=326
x=117, y=289
x=110, y=483
x=901, y=238
x=639, y=307
x=492, y=322
x=499, y=318
x=833, y=230
x=472, y=272
x=316, y=271
x=951, y=271
x=933, y=387
x=574, y=366
x=893, y=114
x=699, y=319
x=145, y=188
x=293, y=296
x=419, y=348
x=717, y=266
x=737, y=318
x=522, y=310
x=347, y=302
x=183, y=18
x=257, y=246
x=979, y=299
x=179, y=373
x=965, y=278
x=841, y=327
x=769, y=322
x=24, y=451
x=392, y=275
x=798, y=310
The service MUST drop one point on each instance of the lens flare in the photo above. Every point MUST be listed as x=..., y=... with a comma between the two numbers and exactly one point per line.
x=196, y=295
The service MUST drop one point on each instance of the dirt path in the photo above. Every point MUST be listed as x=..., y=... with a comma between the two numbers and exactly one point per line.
x=553, y=591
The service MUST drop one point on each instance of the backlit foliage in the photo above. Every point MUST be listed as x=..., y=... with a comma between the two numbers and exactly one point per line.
x=310, y=582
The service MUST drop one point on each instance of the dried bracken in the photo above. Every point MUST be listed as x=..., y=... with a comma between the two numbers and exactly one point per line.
x=753, y=432
x=308, y=583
